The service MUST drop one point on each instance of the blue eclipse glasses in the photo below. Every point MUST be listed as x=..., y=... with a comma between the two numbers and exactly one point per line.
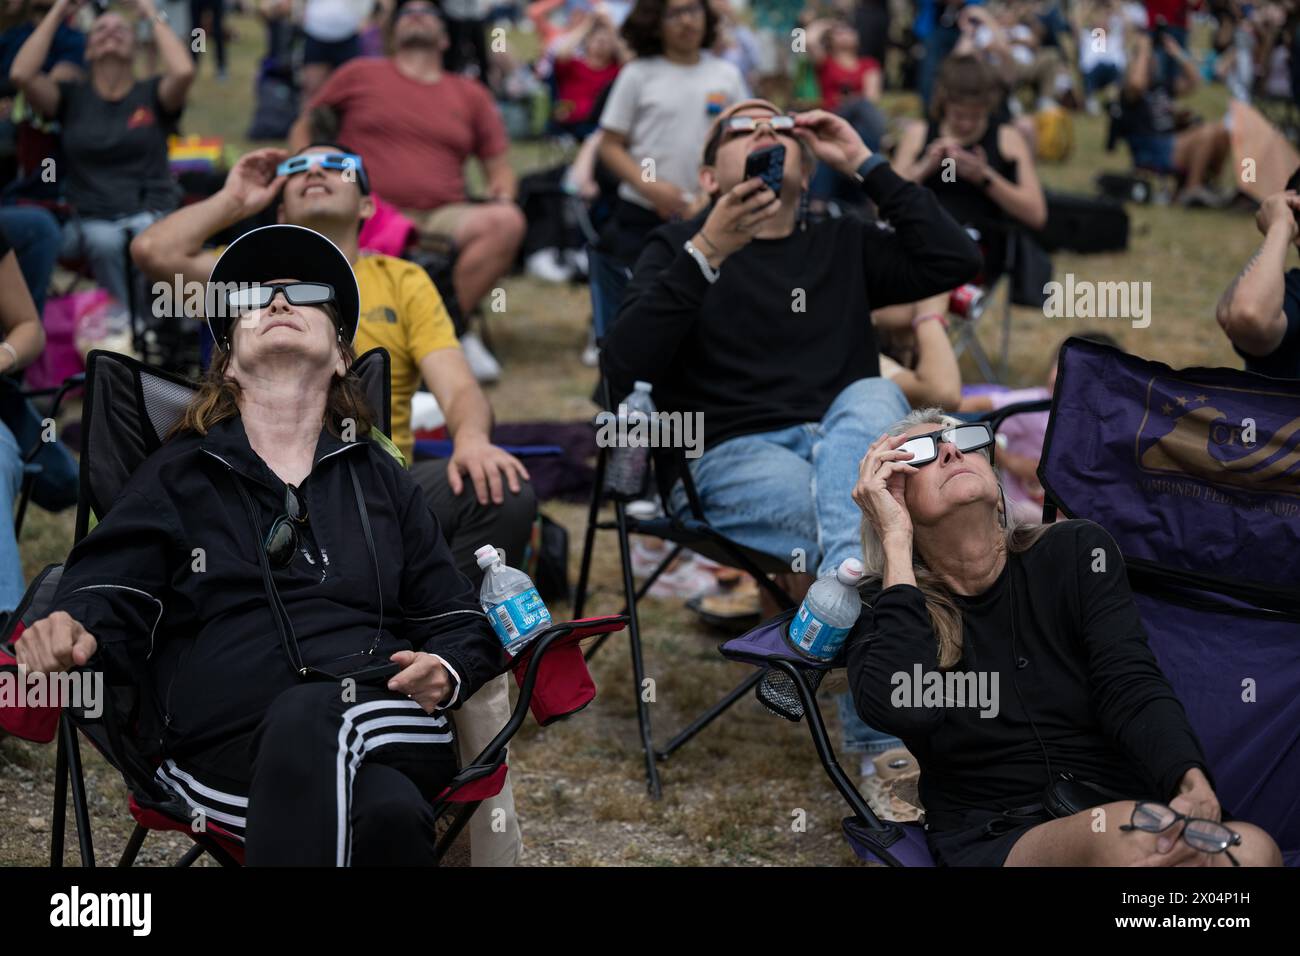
x=339, y=161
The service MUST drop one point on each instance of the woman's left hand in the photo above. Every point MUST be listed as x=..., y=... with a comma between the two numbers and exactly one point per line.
x=485, y=464
x=1196, y=797
x=422, y=678
x=832, y=140
x=971, y=164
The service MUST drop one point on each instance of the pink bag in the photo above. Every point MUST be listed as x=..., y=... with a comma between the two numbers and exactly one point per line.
x=387, y=232
x=61, y=358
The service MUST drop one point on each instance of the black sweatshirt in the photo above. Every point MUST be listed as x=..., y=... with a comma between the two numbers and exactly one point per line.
x=203, y=631
x=1104, y=710
x=787, y=326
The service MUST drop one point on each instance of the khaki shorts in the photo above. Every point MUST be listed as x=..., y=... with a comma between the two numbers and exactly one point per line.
x=443, y=221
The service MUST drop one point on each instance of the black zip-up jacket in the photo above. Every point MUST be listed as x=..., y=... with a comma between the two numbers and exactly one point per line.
x=787, y=326
x=170, y=586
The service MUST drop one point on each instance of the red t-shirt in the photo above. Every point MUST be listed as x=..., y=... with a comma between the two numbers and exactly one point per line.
x=579, y=86
x=1173, y=11
x=413, y=137
x=835, y=79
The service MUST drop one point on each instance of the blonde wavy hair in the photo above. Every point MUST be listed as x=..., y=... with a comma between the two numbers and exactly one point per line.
x=945, y=616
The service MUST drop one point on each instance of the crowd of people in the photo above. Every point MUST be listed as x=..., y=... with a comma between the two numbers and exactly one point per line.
x=804, y=313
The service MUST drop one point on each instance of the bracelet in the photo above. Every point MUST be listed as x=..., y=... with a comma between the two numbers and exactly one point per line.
x=929, y=315
x=11, y=350
x=708, y=242
x=710, y=273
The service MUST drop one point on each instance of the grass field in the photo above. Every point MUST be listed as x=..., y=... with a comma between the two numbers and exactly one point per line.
x=730, y=796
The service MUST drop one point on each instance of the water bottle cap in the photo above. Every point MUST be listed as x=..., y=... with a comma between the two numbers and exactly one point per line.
x=486, y=556
x=642, y=386
x=849, y=572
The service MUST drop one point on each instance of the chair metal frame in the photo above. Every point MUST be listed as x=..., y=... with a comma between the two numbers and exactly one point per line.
x=695, y=532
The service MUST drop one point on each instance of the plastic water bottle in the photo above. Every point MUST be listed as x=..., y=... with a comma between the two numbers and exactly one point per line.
x=628, y=464
x=828, y=612
x=511, y=602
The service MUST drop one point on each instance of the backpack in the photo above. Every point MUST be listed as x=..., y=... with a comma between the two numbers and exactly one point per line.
x=1055, y=133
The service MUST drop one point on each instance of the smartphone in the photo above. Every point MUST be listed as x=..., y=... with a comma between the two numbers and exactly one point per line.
x=769, y=164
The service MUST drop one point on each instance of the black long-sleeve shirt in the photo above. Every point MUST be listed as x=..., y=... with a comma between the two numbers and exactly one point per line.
x=787, y=326
x=1088, y=679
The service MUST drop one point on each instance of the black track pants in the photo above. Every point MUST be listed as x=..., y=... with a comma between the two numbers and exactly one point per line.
x=326, y=781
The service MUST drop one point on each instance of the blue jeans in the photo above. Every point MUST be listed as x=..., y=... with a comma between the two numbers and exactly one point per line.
x=103, y=242
x=788, y=493
x=35, y=235
x=1099, y=77
x=609, y=280
x=12, y=583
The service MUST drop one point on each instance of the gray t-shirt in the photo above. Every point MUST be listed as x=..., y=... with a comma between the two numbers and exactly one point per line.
x=665, y=110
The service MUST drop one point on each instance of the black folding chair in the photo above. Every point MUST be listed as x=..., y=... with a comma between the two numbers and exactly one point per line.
x=129, y=410
x=691, y=531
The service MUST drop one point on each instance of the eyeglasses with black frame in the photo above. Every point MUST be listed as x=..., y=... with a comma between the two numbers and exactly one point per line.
x=282, y=540
x=1208, y=836
x=965, y=438
x=295, y=293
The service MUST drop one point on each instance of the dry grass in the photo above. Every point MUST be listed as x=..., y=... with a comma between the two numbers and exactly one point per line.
x=729, y=795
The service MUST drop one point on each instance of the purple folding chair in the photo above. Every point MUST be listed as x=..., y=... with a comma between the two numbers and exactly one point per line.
x=788, y=688
x=1196, y=475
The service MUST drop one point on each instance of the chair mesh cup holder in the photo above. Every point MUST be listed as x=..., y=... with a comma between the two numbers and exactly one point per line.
x=777, y=692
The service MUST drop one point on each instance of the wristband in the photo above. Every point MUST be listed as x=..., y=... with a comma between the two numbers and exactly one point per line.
x=929, y=315
x=868, y=164
x=12, y=352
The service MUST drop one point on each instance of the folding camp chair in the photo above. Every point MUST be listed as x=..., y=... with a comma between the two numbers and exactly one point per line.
x=788, y=688
x=129, y=409
x=690, y=531
x=1196, y=475
x=966, y=338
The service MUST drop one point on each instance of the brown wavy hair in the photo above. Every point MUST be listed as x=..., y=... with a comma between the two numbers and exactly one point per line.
x=218, y=396
x=643, y=28
x=964, y=79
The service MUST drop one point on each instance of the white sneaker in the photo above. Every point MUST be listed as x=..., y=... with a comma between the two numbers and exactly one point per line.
x=545, y=264
x=591, y=351
x=481, y=362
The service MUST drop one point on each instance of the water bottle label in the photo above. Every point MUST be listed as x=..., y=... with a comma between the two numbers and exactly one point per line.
x=517, y=618
x=815, y=637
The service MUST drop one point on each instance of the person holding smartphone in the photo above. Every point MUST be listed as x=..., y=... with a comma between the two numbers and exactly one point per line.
x=760, y=322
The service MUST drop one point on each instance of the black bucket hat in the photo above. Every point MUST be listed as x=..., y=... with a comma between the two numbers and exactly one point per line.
x=278, y=252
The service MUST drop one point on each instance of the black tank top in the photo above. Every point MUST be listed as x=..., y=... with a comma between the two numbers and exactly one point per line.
x=970, y=205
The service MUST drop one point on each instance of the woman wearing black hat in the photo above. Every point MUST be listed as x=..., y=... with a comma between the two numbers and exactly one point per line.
x=278, y=577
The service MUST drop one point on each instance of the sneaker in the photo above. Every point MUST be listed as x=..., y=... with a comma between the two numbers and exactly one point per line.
x=591, y=351
x=481, y=362
x=577, y=260
x=1201, y=196
x=545, y=264
x=686, y=580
